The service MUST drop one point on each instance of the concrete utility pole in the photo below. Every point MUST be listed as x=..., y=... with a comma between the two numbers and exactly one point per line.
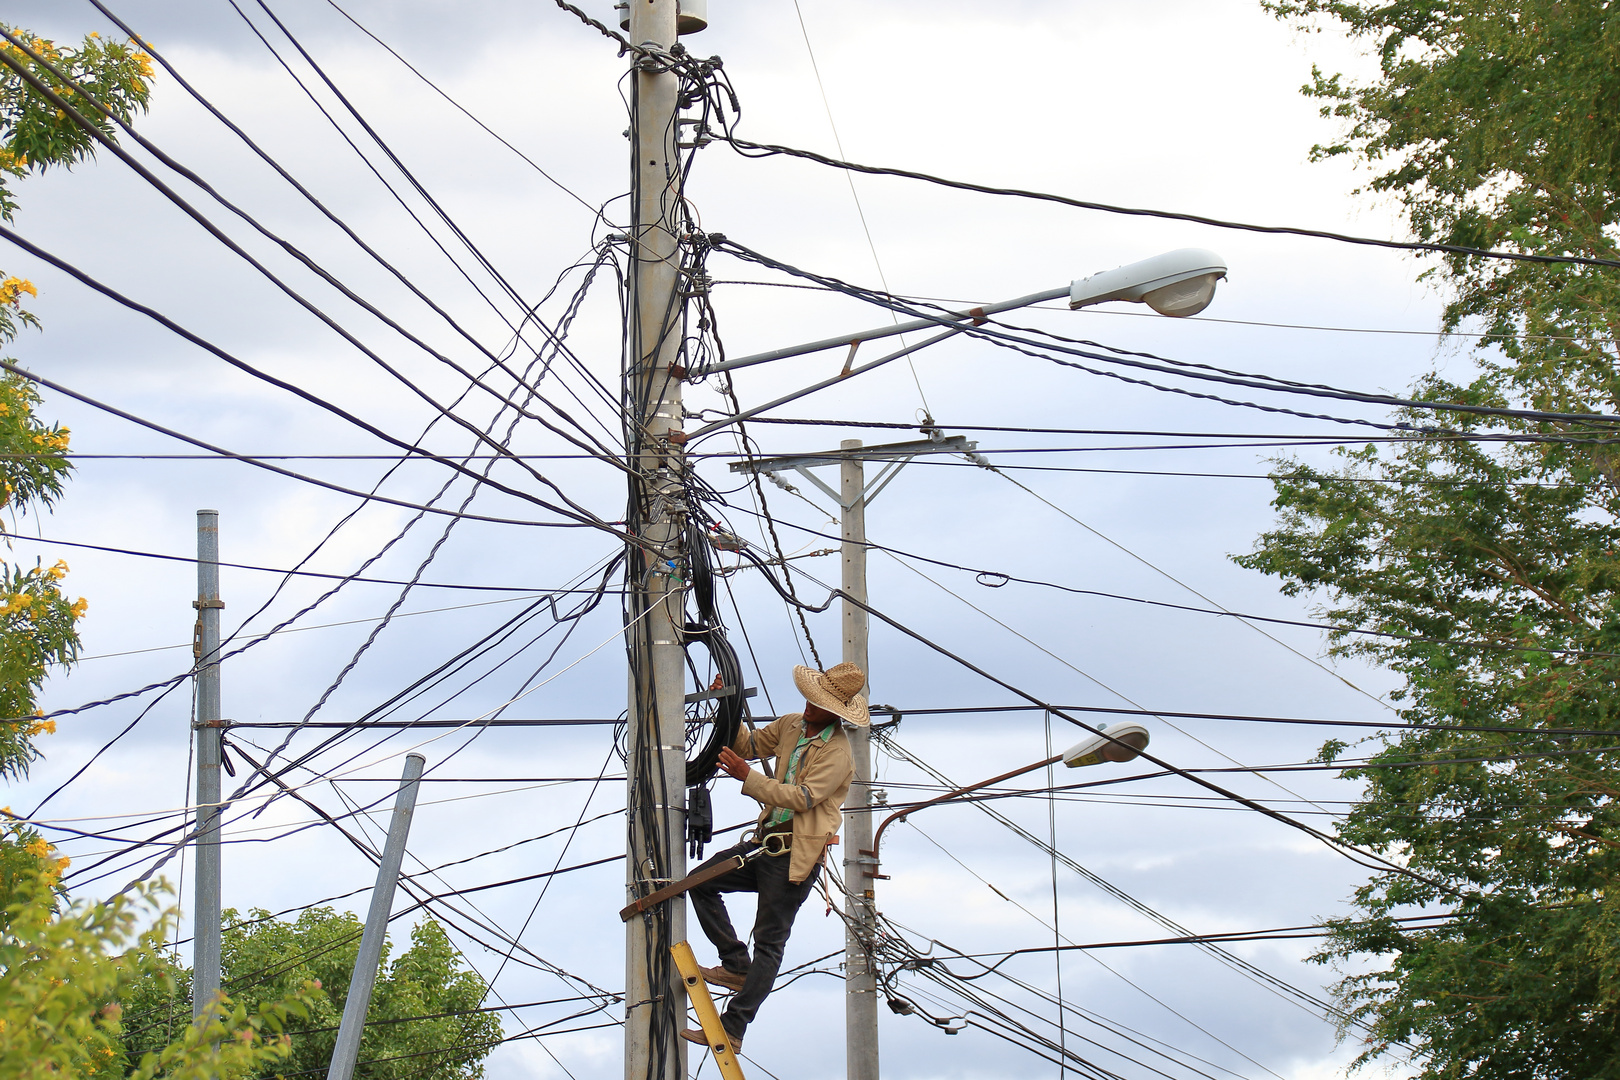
x=358, y=1001
x=860, y=981
x=860, y=927
x=655, y=997
x=205, y=910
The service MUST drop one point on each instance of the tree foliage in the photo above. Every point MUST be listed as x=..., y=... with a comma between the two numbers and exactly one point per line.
x=423, y=1022
x=1486, y=552
x=38, y=623
x=1496, y=123
x=34, y=133
x=64, y=968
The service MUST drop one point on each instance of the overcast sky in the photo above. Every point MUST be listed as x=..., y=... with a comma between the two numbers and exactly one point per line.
x=1171, y=105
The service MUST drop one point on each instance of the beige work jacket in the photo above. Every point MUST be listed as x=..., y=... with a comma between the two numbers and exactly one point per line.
x=816, y=795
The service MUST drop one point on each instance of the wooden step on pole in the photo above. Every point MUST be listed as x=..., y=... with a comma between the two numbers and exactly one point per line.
x=708, y=1015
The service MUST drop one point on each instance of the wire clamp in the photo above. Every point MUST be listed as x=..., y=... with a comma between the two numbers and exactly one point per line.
x=201, y=604
x=653, y=61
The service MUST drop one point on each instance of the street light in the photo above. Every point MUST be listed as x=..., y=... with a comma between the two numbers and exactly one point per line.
x=1122, y=742
x=1178, y=283
x=1119, y=743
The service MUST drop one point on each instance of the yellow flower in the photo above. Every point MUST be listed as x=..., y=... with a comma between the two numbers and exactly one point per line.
x=57, y=572
x=12, y=289
x=80, y=606
x=37, y=847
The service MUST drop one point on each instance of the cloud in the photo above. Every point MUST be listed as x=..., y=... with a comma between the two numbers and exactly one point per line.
x=1183, y=106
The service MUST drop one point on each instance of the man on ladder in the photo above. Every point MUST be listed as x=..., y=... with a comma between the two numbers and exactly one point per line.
x=801, y=815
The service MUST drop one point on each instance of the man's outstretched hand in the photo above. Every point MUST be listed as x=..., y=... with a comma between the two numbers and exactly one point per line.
x=734, y=766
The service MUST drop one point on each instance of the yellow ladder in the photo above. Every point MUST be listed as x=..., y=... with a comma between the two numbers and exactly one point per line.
x=708, y=1015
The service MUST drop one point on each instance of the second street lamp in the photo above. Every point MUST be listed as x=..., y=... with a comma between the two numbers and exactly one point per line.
x=1121, y=742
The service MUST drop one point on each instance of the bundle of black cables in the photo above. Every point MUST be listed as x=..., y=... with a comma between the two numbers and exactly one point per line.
x=730, y=705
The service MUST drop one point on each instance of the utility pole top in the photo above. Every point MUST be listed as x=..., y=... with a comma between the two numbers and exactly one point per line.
x=851, y=452
x=955, y=444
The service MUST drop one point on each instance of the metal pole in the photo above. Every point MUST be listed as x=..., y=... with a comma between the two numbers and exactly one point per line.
x=353, y=1026
x=860, y=984
x=205, y=912
x=944, y=318
x=655, y=1006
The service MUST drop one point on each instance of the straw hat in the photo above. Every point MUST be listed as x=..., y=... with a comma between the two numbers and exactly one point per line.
x=836, y=690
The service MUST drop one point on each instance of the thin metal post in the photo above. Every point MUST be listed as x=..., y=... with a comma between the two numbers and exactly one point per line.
x=860, y=983
x=944, y=318
x=358, y=1001
x=655, y=1005
x=205, y=909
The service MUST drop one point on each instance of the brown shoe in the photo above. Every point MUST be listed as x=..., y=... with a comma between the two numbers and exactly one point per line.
x=696, y=1035
x=719, y=976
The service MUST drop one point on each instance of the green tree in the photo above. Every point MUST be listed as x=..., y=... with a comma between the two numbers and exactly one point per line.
x=38, y=623
x=1496, y=124
x=423, y=1022
x=1486, y=552
x=65, y=967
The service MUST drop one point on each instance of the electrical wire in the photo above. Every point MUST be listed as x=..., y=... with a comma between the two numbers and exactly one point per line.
x=308, y=196
x=151, y=425
x=95, y=132
x=529, y=591
x=742, y=146
x=412, y=68
x=996, y=579
x=1004, y=337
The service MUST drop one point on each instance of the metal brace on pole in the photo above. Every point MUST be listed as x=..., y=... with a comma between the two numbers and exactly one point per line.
x=355, y=1006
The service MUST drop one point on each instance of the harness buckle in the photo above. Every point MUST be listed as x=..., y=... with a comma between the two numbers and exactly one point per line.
x=777, y=844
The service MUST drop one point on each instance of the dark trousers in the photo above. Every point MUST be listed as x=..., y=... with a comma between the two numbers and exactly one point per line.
x=778, y=903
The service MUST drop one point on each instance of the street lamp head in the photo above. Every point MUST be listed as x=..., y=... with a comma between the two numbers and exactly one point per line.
x=1178, y=283
x=1122, y=742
